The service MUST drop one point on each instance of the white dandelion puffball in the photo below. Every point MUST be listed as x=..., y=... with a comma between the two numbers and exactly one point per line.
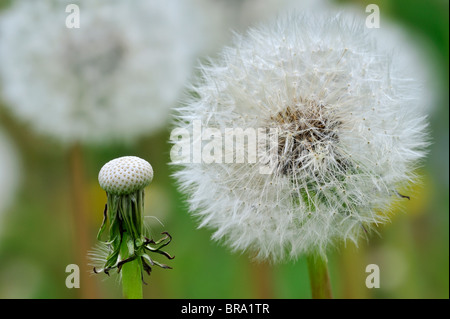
x=113, y=78
x=337, y=115
x=125, y=175
x=226, y=16
x=9, y=173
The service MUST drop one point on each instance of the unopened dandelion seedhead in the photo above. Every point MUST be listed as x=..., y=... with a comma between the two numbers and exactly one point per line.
x=124, y=180
x=125, y=175
x=341, y=109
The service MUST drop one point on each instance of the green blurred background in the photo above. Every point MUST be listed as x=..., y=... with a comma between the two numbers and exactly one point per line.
x=39, y=240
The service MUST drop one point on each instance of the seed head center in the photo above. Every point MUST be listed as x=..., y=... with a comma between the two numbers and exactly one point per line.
x=306, y=129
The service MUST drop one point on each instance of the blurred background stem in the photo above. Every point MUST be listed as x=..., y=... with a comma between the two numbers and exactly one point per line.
x=319, y=278
x=79, y=210
x=262, y=276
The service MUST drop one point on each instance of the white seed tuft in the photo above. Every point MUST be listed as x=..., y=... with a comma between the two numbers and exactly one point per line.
x=125, y=175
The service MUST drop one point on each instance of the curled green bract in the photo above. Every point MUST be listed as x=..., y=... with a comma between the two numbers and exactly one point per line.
x=126, y=241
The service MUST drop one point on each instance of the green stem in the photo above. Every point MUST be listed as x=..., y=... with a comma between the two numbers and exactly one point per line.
x=319, y=278
x=131, y=272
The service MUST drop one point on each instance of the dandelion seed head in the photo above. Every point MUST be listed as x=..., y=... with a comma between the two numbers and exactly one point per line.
x=345, y=110
x=114, y=78
x=125, y=175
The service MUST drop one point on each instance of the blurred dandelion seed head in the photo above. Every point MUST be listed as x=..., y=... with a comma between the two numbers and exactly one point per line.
x=114, y=78
x=347, y=110
x=227, y=15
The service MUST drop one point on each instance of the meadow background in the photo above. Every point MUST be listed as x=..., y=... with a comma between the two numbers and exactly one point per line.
x=38, y=238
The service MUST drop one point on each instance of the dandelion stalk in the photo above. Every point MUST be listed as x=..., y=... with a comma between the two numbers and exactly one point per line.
x=128, y=248
x=10, y=174
x=131, y=272
x=79, y=209
x=263, y=281
x=319, y=278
